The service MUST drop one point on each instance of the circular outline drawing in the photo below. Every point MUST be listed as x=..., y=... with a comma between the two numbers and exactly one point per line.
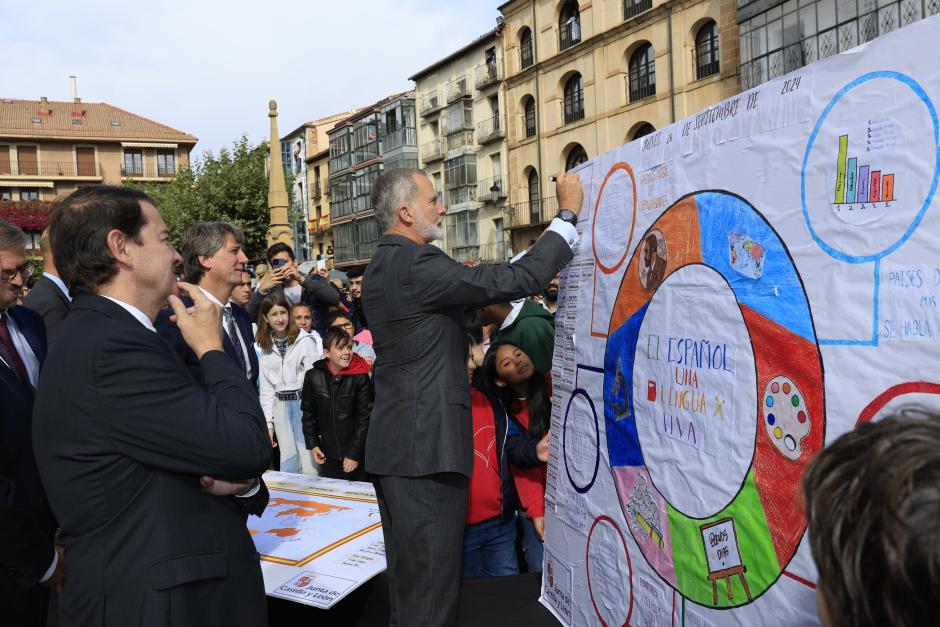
x=587, y=570
x=699, y=224
x=597, y=441
x=600, y=194
x=880, y=401
x=922, y=95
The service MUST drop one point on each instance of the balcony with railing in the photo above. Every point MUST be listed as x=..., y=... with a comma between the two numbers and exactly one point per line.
x=491, y=189
x=340, y=163
x=573, y=107
x=494, y=252
x=632, y=8
x=431, y=102
x=705, y=60
x=526, y=55
x=317, y=190
x=148, y=170
x=534, y=213
x=489, y=73
x=640, y=87
x=462, y=139
x=50, y=169
x=889, y=16
x=569, y=34
x=458, y=88
x=465, y=254
x=405, y=136
x=460, y=195
x=432, y=151
x=490, y=130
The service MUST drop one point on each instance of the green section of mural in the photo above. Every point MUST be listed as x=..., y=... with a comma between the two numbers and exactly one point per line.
x=754, y=545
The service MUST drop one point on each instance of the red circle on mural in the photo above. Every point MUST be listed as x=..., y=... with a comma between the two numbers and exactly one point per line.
x=880, y=401
x=600, y=194
x=587, y=569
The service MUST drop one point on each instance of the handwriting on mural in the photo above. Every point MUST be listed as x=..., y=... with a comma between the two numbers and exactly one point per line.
x=687, y=351
x=653, y=181
x=691, y=387
x=909, y=296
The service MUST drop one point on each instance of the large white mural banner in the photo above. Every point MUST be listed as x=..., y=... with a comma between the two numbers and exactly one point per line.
x=751, y=282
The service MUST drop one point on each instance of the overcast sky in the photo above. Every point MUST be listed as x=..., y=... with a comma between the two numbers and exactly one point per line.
x=209, y=67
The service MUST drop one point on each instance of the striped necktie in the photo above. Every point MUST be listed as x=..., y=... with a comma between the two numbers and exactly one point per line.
x=234, y=335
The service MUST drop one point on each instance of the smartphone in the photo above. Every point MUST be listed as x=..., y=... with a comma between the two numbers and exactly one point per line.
x=278, y=263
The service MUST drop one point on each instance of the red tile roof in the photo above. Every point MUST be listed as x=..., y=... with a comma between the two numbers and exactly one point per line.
x=99, y=121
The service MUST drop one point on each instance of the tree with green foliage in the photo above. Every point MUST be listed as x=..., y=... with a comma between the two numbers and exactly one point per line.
x=232, y=187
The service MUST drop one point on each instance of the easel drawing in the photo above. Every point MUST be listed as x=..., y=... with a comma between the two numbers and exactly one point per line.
x=724, y=560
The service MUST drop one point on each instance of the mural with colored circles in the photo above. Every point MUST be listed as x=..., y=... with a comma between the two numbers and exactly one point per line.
x=752, y=281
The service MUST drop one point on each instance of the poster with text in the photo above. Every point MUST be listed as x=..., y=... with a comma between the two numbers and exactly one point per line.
x=751, y=282
x=319, y=539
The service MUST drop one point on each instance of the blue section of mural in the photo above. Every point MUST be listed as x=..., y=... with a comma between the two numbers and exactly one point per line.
x=623, y=442
x=729, y=223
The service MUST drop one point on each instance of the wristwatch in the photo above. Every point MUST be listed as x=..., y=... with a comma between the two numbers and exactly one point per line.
x=568, y=216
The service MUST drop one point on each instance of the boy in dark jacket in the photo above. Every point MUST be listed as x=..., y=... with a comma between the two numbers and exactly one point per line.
x=336, y=401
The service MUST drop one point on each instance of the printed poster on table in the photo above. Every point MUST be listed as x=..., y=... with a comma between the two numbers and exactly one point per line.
x=319, y=539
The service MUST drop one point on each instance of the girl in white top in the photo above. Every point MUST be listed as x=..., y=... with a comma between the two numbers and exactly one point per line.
x=286, y=353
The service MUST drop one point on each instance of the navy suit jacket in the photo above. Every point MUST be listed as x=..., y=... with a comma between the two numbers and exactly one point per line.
x=26, y=522
x=122, y=434
x=171, y=333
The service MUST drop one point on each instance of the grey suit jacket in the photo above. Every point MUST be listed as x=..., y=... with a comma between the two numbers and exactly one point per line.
x=414, y=298
x=46, y=299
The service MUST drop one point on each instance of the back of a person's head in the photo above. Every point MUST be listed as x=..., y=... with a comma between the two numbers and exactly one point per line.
x=873, y=510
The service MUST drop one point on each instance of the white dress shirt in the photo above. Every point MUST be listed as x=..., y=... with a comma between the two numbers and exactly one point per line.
x=237, y=341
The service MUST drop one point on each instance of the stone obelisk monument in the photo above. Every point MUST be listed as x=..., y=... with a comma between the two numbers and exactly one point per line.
x=279, y=229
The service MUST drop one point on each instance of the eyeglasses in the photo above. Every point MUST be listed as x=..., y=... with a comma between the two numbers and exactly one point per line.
x=26, y=270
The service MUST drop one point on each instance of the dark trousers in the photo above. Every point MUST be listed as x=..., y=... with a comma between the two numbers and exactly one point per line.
x=423, y=523
x=333, y=469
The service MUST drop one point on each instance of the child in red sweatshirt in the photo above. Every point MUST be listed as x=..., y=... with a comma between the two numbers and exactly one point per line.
x=509, y=374
x=336, y=400
x=489, y=545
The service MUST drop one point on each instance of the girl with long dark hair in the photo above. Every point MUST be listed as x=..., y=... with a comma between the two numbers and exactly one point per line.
x=508, y=373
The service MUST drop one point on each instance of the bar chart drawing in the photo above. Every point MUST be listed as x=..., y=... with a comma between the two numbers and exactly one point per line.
x=860, y=183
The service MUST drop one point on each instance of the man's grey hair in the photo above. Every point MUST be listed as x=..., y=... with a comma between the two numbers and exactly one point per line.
x=391, y=190
x=11, y=236
x=205, y=239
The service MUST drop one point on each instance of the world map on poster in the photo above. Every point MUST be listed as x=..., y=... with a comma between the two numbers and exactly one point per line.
x=751, y=282
x=299, y=526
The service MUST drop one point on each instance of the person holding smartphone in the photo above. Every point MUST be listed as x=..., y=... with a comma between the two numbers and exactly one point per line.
x=283, y=276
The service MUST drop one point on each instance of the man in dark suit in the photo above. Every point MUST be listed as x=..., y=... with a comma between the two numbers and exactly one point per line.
x=420, y=445
x=150, y=473
x=49, y=297
x=214, y=261
x=29, y=562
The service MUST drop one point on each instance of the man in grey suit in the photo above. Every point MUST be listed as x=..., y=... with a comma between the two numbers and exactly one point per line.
x=420, y=446
x=49, y=297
